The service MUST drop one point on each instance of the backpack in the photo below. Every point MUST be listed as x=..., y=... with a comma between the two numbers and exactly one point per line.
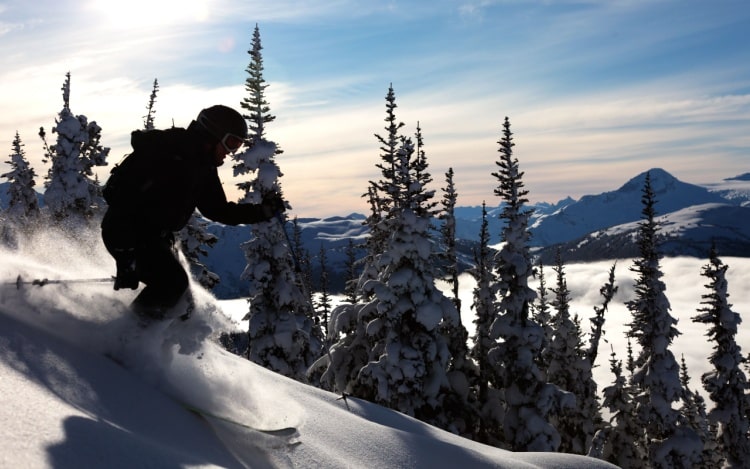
x=128, y=180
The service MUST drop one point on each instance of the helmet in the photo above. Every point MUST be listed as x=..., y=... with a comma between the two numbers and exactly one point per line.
x=225, y=124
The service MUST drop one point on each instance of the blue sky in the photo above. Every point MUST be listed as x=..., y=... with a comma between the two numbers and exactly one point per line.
x=596, y=91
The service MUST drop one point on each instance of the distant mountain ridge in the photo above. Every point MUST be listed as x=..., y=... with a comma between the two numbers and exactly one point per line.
x=596, y=212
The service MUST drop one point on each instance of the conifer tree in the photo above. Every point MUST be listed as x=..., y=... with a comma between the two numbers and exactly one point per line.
x=607, y=292
x=23, y=204
x=393, y=350
x=622, y=441
x=448, y=232
x=489, y=428
x=148, y=122
x=657, y=373
x=588, y=395
x=258, y=109
x=302, y=259
x=350, y=279
x=528, y=398
x=281, y=331
x=72, y=193
x=693, y=415
x=726, y=384
x=570, y=370
x=356, y=345
x=410, y=371
x=324, y=300
x=541, y=313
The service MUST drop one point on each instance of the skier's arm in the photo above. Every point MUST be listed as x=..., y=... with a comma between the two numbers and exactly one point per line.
x=213, y=204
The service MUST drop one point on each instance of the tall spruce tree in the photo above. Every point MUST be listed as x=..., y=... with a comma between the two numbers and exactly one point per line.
x=726, y=384
x=23, y=203
x=72, y=192
x=529, y=399
x=356, y=344
x=410, y=371
x=281, y=331
x=656, y=376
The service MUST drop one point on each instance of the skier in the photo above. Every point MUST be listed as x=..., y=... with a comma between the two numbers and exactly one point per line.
x=154, y=191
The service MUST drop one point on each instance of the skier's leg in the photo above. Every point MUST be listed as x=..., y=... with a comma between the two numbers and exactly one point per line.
x=166, y=281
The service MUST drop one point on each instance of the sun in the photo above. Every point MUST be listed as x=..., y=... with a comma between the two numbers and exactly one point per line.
x=130, y=13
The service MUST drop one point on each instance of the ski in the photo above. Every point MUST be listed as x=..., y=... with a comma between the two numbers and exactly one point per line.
x=284, y=432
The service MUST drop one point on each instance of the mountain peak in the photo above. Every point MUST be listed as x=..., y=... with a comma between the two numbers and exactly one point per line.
x=661, y=181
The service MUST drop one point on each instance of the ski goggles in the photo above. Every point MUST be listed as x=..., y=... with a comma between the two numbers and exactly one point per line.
x=231, y=142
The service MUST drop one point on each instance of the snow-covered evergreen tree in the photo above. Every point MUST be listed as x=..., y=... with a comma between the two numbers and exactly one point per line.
x=23, y=203
x=410, y=371
x=726, y=384
x=569, y=369
x=623, y=440
x=528, y=397
x=656, y=376
x=693, y=415
x=281, y=331
x=392, y=348
x=489, y=397
x=72, y=192
x=355, y=345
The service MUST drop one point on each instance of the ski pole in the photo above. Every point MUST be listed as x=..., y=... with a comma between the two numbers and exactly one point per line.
x=44, y=281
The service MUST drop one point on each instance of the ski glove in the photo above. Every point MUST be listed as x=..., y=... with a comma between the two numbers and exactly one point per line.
x=126, y=274
x=272, y=205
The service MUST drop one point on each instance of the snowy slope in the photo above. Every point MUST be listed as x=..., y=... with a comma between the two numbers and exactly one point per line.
x=66, y=405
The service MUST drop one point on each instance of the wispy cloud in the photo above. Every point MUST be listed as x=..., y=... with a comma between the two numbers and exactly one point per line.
x=596, y=91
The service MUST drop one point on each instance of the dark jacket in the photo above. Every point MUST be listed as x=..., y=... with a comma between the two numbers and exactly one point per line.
x=156, y=189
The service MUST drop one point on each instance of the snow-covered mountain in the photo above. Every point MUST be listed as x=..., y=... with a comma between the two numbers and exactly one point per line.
x=687, y=232
x=596, y=212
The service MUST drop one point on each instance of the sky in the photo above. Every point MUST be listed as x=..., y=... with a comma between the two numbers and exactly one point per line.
x=596, y=91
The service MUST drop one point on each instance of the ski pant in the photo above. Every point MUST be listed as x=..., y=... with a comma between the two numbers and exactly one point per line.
x=156, y=264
